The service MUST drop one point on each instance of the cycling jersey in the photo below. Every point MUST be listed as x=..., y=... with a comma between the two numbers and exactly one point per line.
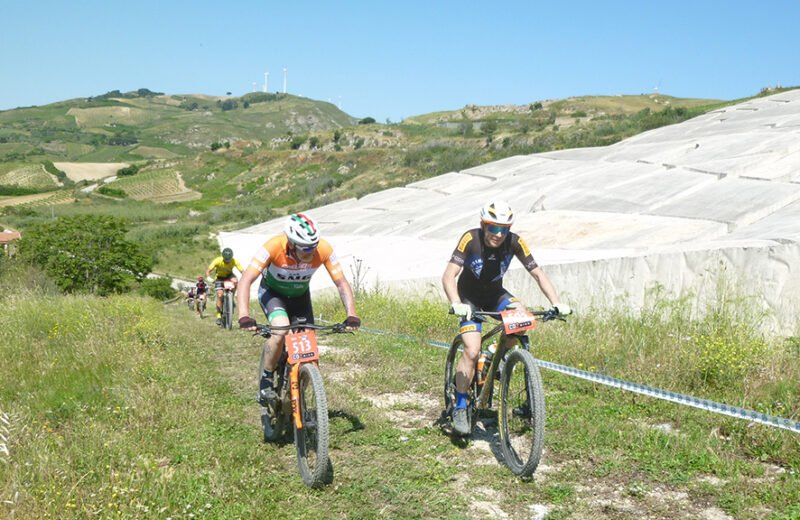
x=201, y=288
x=484, y=266
x=286, y=275
x=224, y=269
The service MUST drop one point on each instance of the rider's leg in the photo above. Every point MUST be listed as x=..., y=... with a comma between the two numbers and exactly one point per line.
x=465, y=370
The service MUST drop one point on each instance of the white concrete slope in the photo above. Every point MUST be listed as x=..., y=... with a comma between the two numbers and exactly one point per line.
x=680, y=206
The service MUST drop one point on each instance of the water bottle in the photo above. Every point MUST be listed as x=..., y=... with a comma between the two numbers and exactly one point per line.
x=483, y=365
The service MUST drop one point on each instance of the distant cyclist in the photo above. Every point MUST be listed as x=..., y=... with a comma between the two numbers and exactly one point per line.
x=223, y=267
x=201, y=291
x=481, y=258
x=286, y=264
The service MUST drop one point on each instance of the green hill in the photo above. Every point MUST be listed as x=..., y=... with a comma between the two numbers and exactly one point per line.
x=144, y=125
x=213, y=164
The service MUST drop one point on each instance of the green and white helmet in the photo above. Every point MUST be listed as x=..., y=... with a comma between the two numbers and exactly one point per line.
x=301, y=230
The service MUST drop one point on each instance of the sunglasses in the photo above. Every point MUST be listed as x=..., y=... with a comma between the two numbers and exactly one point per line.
x=308, y=249
x=495, y=229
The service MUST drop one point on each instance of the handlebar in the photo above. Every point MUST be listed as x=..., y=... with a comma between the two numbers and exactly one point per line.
x=267, y=330
x=548, y=315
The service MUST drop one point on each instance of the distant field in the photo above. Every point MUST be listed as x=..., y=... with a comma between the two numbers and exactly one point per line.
x=39, y=199
x=91, y=117
x=154, y=152
x=89, y=171
x=28, y=176
x=157, y=186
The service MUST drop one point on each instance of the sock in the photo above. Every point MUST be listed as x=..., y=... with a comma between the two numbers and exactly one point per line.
x=266, y=378
x=461, y=400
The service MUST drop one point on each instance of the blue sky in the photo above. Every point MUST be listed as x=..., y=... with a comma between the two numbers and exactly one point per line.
x=391, y=60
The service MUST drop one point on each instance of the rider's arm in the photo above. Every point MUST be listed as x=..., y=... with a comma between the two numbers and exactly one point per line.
x=331, y=264
x=250, y=275
x=449, y=282
x=546, y=286
x=346, y=294
x=238, y=266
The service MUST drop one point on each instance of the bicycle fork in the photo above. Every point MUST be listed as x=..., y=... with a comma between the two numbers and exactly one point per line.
x=294, y=385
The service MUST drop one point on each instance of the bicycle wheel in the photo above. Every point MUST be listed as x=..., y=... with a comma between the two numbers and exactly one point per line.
x=312, y=439
x=227, y=310
x=521, y=413
x=451, y=364
x=190, y=303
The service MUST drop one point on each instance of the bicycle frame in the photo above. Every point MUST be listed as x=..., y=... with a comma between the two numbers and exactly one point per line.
x=300, y=347
x=482, y=399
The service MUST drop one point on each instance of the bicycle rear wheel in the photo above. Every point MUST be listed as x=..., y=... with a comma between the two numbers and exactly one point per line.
x=312, y=439
x=521, y=413
x=451, y=363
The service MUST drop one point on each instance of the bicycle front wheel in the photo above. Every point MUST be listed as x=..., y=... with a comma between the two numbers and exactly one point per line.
x=312, y=439
x=227, y=310
x=521, y=413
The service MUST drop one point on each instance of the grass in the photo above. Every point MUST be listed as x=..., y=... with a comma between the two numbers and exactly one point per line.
x=126, y=407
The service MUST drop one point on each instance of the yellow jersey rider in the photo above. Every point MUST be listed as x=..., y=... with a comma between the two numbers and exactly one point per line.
x=286, y=264
x=479, y=261
x=223, y=267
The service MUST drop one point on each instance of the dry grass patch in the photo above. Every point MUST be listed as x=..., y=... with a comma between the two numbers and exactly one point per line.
x=89, y=171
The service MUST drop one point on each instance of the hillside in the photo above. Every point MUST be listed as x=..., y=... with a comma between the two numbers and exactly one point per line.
x=214, y=165
x=144, y=125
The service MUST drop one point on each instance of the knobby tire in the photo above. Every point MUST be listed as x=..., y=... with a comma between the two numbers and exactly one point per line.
x=312, y=439
x=521, y=437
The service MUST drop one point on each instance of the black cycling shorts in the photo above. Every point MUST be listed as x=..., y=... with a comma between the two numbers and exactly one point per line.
x=274, y=304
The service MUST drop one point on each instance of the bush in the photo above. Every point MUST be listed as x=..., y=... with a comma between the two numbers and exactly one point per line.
x=133, y=169
x=366, y=121
x=112, y=192
x=158, y=288
x=86, y=253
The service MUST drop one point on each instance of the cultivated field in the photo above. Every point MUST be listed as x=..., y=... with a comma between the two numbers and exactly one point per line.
x=28, y=176
x=157, y=186
x=89, y=171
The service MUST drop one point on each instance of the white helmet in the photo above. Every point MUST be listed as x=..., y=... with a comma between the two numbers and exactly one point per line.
x=301, y=230
x=497, y=212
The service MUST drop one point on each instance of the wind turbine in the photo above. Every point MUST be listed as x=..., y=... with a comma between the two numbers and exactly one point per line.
x=285, y=73
x=266, y=81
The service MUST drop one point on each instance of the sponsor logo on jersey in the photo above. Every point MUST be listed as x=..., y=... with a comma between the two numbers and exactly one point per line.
x=462, y=245
x=525, y=249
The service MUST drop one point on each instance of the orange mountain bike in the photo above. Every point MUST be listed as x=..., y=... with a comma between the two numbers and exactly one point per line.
x=520, y=415
x=301, y=400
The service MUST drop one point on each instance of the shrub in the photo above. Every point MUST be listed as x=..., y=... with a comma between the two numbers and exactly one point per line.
x=366, y=121
x=112, y=192
x=158, y=288
x=133, y=169
x=86, y=253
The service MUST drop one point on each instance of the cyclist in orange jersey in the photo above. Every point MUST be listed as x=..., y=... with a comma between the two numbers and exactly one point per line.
x=286, y=264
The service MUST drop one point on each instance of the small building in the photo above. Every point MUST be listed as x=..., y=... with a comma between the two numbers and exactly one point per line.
x=8, y=237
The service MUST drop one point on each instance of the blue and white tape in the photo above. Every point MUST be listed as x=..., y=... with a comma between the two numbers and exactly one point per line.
x=666, y=395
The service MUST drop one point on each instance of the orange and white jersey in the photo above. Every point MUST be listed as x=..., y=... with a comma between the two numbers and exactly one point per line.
x=284, y=273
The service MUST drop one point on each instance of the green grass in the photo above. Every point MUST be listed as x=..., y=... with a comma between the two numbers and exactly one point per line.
x=126, y=407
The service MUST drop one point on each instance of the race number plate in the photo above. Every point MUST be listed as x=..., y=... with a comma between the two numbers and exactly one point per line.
x=517, y=320
x=302, y=347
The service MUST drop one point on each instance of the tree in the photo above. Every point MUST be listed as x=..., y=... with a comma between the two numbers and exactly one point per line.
x=367, y=121
x=86, y=253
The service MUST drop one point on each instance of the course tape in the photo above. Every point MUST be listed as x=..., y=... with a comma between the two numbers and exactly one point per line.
x=666, y=395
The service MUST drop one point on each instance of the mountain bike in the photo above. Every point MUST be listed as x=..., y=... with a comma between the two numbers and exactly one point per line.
x=227, y=301
x=520, y=414
x=301, y=399
x=201, y=306
x=190, y=303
